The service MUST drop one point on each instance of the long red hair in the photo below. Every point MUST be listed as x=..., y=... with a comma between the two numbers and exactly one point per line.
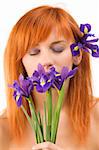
x=33, y=27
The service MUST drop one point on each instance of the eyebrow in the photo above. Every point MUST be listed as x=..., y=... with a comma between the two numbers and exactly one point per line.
x=55, y=42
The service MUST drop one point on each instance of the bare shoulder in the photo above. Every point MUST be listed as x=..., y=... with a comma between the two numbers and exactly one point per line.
x=4, y=131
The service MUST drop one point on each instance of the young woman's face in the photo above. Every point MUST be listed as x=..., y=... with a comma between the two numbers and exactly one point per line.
x=54, y=51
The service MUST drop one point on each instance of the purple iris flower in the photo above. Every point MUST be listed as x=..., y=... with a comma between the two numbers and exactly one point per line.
x=23, y=88
x=44, y=83
x=41, y=79
x=57, y=78
x=45, y=80
x=37, y=74
x=60, y=77
x=84, y=43
x=75, y=49
x=17, y=93
x=65, y=73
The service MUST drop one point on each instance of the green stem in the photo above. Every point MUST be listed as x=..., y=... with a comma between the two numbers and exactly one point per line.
x=30, y=121
x=56, y=115
x=41, y=124
x=27, y=116
x=34, y=117
x=49, y=106
x=45, y=119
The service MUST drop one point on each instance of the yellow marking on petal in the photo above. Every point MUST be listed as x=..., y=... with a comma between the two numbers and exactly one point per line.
x=76, y=48
x=49, y=80
x=85, y=30
x=94, y=50
x=57, y=75
x=42, y=82
x=17, y=97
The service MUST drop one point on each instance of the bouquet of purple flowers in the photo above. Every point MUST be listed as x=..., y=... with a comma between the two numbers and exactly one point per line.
x=43, y=82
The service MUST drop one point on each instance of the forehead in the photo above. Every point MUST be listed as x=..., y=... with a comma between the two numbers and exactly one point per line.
x=47, y=34
x=54, y=36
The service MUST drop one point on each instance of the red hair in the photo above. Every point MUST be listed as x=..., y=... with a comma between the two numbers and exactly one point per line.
x=33, y=27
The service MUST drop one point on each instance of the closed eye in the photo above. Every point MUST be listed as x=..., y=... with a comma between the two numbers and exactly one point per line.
x=57, y=49
x=34, y=51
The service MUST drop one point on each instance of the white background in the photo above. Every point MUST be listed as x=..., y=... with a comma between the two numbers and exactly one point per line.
x=84, y=11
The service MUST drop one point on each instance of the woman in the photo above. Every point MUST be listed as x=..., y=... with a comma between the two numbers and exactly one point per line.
x=44, y=35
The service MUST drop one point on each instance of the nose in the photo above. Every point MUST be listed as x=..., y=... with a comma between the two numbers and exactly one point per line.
x=47, y=66
x=46, y=60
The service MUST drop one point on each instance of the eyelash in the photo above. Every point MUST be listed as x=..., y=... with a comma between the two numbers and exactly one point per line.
x=50, y=48
x=58, y=51
x=31, y=54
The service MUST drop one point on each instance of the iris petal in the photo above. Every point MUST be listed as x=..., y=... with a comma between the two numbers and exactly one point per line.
x=85, y=28
x=19, y=101
x=84, y=44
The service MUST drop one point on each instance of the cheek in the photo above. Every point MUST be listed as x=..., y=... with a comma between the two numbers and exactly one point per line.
x=29, y=65
x=65, y=59
x=69, y=61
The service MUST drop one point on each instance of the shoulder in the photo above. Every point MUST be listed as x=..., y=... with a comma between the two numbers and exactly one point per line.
x=3, y=121
x=3, y=114
x=4, y=130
